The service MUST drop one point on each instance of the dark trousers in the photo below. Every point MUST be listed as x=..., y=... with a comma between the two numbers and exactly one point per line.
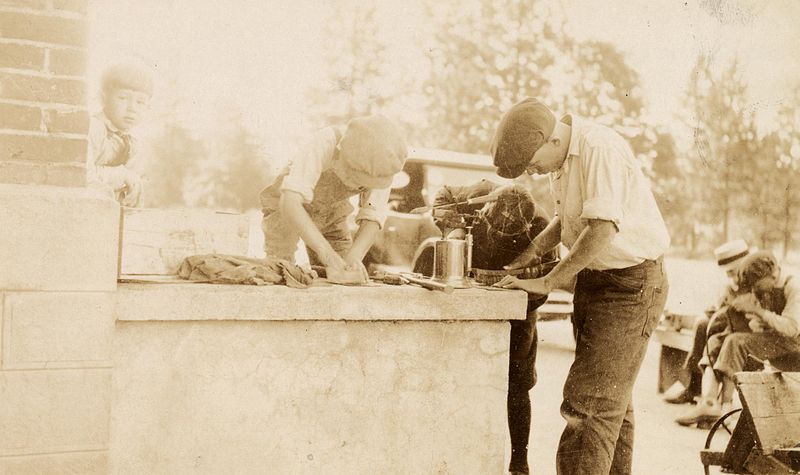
x=521, y=378
x=615, y=311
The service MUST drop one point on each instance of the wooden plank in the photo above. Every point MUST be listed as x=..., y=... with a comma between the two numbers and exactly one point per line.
x=773, y=402
x=790, y=457
x=674, y=339
x=741, y=443
x=155, y=241
x=759, y=464
x=711, y=457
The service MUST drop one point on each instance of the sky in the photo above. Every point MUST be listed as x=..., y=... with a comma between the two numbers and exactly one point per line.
x=262, y=55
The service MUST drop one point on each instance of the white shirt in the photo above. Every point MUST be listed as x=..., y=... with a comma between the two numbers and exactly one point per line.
x=316, y=157
x=102, y=150
x=601, y=179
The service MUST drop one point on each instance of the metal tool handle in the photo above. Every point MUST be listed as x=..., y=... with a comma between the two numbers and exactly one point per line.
x=429, y=284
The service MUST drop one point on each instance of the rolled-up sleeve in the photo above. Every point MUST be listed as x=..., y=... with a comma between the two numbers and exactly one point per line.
x=605, y=185
x=373, y=205
x=791, y=312
x=308, y=162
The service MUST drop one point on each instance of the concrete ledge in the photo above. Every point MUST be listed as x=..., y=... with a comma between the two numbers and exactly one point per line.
x=57, y=238
x=165, y=302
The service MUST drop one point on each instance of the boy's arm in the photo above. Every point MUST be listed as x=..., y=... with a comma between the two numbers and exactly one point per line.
x=365, y=236
x=540, y=245
x=291, y=205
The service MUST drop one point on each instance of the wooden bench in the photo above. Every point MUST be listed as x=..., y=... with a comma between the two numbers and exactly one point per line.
x=766, y=439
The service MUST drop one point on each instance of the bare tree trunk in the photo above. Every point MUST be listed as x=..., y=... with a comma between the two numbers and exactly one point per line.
x=787, y=216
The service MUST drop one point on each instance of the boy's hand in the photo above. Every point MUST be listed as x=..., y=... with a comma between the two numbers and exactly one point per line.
x=132, y=190
x=354, y=264
x=333, y=260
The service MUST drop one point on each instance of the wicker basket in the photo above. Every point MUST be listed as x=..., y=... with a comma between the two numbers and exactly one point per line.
x=489, y=277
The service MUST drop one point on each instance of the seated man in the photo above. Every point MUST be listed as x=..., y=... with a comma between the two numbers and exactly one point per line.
x=502, y=230
x=729, y=256
x=770, y=302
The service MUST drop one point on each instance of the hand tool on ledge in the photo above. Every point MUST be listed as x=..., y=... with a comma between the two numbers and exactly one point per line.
x=408, y=278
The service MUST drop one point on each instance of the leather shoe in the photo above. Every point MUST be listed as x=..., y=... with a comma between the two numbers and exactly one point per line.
x=684, y=397
x=704, y=414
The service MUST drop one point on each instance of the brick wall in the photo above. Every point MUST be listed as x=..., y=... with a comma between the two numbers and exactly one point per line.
x=43, y=115
x=58, y=250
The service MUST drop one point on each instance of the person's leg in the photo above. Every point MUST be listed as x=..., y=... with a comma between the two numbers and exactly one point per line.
x=692, y=363
x=708, y=409
x=695, y=355
x=521, y=378
x=615, y=313
x=623, y=452
x=737, y=347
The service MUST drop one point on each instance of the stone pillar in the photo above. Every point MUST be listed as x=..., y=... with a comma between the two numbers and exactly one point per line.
x=58, y=250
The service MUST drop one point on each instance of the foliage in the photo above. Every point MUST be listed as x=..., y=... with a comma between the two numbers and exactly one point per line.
x=356, y=61
x=225, y=170
x=175, y=155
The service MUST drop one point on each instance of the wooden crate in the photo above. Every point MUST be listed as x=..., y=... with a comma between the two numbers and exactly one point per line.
x=155, y=241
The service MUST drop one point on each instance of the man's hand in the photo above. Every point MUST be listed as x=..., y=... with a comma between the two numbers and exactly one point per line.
x=540, y=286
x=755, y=323
x=747, y=303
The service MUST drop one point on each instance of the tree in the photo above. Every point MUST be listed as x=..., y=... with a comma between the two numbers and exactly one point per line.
x=175, y=157
x=237, y=168
x=490, y=54
x=355, y=57
x=787, y=152
x=725, y=143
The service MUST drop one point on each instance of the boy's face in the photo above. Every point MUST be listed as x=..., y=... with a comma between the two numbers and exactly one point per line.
x=125, y=107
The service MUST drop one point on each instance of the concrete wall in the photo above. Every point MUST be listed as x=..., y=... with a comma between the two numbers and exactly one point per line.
x=235, y=379
x=58, y=250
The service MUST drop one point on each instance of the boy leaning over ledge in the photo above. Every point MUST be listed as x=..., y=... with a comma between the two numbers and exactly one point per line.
x=310, y=199
x=112, y=151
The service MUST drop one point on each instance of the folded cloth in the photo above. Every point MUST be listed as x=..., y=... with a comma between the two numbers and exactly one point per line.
x=227, y=269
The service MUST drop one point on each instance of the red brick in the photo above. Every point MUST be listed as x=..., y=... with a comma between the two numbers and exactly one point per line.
x=39, y=89
x=48, y=29
x=41, y=148
x=33, y=4
x=29, y=173
x=20, y=117
x=21, y=56
x=76, y=122
x=77, y=6
x=68, y=62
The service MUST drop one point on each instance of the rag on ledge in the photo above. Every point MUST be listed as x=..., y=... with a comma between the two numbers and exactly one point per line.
x=227, y=269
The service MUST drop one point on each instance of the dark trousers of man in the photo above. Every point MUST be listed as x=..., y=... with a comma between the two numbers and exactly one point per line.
x=615, y=311
x=521, y=378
